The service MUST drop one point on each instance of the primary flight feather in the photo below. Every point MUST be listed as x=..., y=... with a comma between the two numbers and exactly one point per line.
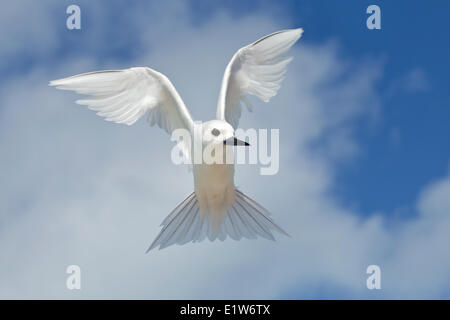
x=216, y=209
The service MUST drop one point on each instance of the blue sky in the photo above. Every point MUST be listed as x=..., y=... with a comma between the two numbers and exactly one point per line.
x=364, y=175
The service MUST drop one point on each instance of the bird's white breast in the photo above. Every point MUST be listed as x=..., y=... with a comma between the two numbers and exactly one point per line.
x=214, y=187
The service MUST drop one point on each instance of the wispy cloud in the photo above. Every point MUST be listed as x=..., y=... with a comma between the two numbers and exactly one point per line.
x=412, y=81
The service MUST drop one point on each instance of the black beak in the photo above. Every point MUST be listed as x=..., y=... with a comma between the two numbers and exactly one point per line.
x=235, y=142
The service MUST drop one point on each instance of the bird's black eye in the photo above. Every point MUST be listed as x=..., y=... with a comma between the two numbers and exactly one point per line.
x=215, y=132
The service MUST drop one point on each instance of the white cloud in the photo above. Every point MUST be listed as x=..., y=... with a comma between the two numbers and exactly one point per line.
x=78, y=190
x=22, y=25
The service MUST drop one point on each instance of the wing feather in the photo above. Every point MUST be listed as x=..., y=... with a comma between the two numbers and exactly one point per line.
x=256, y=69
x=124, y=96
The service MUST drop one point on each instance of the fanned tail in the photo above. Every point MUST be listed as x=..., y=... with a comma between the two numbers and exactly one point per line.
x=244, y=218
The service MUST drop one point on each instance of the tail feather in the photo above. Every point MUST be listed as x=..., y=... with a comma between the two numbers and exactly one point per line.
x=254, y=223
x=245, y=218
x=177, y=208
x=269, y=223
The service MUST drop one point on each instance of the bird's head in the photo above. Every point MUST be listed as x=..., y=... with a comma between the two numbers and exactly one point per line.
x=219, y=132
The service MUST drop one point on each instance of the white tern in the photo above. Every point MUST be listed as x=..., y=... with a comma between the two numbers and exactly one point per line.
x=216, y=209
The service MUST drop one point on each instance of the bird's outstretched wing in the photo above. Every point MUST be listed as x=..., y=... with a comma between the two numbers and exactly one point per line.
x=124, y=96
x=256, y=69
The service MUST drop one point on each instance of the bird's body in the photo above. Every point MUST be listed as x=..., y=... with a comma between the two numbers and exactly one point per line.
x=216, y=209
x=214, y=186
x=214, y=182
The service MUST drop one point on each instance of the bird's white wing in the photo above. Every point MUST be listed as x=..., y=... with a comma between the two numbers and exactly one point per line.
x=256, y=69
x=124, y=96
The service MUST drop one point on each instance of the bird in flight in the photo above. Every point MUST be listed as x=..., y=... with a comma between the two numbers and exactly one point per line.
x=216, y=209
